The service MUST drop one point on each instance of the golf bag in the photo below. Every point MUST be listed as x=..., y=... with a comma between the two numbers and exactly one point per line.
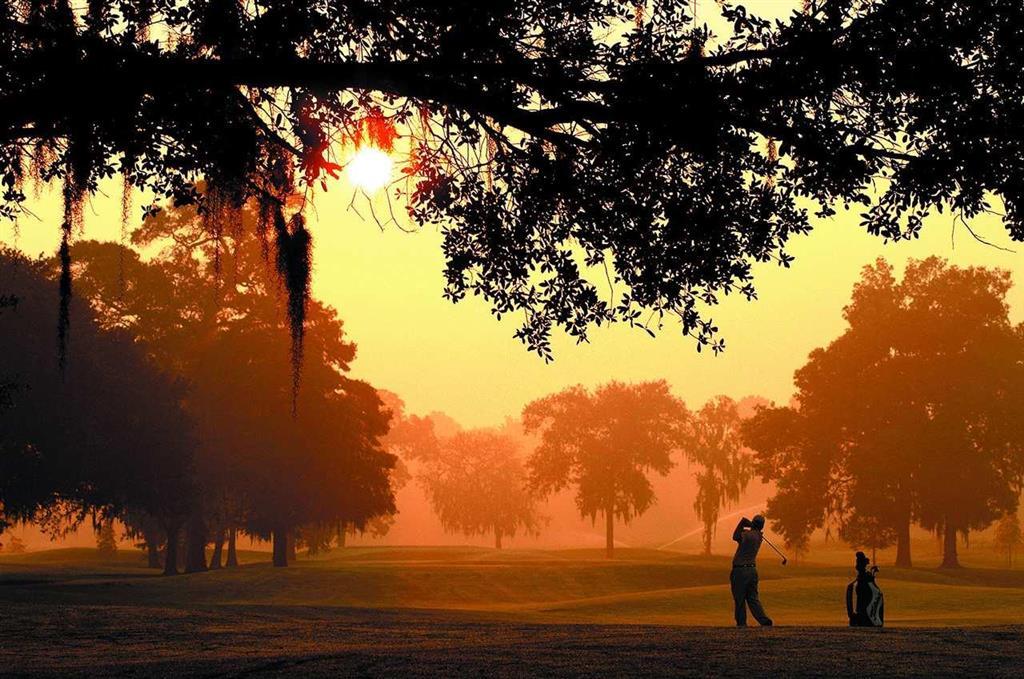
x=870, y=606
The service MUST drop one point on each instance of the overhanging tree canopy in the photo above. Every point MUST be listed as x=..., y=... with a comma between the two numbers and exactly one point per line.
x=547, y=138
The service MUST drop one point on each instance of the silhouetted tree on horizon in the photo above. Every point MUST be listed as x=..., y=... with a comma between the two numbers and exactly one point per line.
x=106, y=540
x=261, y=465
x=871, y=533
x=605, y=442
x=477, y=484
x=102, y=436
x=911, y=415
x=714, y=441
x=1008, y=535
x=143, y=526
x=406, y=436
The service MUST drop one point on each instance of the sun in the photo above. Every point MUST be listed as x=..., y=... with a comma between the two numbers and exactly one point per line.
x=369, y=169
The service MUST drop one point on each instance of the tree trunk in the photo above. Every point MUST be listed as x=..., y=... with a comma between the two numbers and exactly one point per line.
x=290, y=537
x=707, y=540
x=343, y=534
x=171, y=554
x=182, y=549
x=949, y=556
x=152, y=554
x=218, y=549
x=497, y=539
x=232, y=554
x=195, y=545
x=903, y=545
x=609, y=533
x=280, y=542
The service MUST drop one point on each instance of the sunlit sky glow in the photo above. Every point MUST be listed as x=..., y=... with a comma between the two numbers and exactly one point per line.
x=387, y=286
x=369, y=169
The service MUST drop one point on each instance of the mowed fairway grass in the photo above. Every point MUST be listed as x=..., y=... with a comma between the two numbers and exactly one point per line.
x=424, y=611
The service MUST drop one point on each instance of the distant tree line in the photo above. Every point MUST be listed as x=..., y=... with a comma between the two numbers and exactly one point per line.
x=175, y=418
x=202, y=436
x=911, y=416
x=603, y=445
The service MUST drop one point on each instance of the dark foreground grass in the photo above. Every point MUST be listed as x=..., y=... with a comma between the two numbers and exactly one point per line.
x=268, y=641
x=444, y=612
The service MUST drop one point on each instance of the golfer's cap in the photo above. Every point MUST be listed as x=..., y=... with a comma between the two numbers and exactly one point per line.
x=757, y=521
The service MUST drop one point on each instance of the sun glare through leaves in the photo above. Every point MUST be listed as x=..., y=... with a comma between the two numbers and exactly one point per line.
x=370, y=169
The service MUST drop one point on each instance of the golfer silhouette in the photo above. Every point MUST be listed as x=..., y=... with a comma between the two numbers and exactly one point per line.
x=743, y=579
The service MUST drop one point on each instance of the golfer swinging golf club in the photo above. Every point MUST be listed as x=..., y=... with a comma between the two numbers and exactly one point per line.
x=749, y=534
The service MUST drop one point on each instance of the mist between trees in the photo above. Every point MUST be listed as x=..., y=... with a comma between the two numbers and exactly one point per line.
x=176, y=414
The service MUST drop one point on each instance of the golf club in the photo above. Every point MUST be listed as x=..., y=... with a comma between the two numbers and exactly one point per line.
x=784, y=559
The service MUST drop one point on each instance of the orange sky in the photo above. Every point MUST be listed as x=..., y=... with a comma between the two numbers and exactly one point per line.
x=457, y=358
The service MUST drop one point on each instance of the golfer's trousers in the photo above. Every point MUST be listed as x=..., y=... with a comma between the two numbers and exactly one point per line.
x=743, y=580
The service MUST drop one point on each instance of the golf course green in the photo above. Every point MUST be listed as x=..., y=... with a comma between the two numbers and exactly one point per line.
x=66, y=612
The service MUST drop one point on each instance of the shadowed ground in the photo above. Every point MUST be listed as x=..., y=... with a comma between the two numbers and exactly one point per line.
x=245, y=640
x=464, y=611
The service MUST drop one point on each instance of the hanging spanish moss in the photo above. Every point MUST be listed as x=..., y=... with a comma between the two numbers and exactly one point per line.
x=233, y=213
x=78, y=168
x=18, y=168
x=294, y=248
x=264, y=218
x=15, y=180
x=126, y=211
x=379, y=131
x=127, y=184
x=213, y=213
x=491, y=151
x=74, y=195
x=278, y=184
x=64, y=315
x=221, y=213
x=39, y=162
